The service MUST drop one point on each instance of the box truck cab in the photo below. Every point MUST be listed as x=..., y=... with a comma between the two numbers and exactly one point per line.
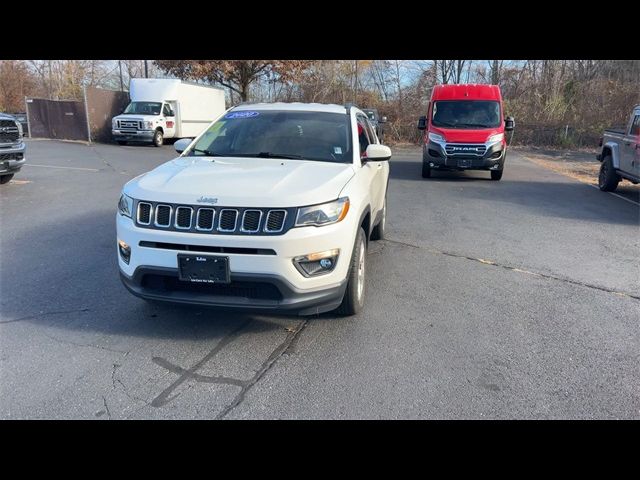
x=166, y=108
x=465, y=130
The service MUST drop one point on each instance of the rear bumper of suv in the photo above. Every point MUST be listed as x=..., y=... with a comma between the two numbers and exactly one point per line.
x=436, y=157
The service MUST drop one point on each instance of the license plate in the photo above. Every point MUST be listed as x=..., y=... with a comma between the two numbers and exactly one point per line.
x=465, y=162
x=203, y=268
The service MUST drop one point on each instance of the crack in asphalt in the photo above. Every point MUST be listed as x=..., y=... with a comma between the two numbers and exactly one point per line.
x=264, y=368
x=514, y=269
x=164, y=397
x=196, y=376
x=44, y=314
x=104, y=402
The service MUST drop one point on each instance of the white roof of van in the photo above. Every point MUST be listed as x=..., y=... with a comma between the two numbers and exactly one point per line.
x=304, y=107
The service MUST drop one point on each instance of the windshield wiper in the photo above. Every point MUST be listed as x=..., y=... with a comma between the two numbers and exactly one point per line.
x=209, y=153
x=278, y=155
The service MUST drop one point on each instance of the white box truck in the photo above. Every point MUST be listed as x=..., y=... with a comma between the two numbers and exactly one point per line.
x=166, y=108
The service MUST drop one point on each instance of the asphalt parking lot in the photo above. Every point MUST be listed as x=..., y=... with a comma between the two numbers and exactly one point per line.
x=510, y=299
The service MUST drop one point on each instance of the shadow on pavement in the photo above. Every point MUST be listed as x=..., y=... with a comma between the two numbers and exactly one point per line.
x=73, y=284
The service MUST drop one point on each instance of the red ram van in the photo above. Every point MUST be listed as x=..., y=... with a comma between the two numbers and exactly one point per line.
x=465, y=130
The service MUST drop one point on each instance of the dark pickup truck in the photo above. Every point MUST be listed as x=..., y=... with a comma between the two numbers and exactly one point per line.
x=12, y=147
x=620, y=155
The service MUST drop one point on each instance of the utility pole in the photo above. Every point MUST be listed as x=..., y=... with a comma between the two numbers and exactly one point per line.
x=121, y=83
x=355, y=88
x=146, y=70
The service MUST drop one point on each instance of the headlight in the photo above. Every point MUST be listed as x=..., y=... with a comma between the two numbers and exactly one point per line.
x=114, y=123
x=324, y=214
x=19, y=125
x=434, y=137
x=125, y=205
x=495, y=138
x=147, y=125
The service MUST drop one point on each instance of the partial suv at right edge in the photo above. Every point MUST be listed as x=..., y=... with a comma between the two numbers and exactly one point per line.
x=12, y=147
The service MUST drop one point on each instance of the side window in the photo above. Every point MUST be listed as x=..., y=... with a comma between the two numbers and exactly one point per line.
x=372, y=132
x=363, y=135
x=166, y=110
x=635, y=126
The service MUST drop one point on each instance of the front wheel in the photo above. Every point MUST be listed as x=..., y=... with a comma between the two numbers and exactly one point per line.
x=122, y=142
x=608, y=179
x=353, y=299
x=426, y=170
x=496, y=174
x=158, y=138
x=6, y=178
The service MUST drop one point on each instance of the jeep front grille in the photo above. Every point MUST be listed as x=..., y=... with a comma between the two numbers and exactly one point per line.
x=228, y=220
x=183, y=217
x=214, y=220
x=275, y=221
x=163, y=216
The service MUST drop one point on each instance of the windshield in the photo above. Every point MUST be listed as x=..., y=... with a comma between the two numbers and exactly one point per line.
x=144, y=108
x=294, y=135
x=466, y=114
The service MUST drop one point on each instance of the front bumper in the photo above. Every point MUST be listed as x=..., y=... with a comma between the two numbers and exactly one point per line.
x=493, y=159
x=162, y=284
x=295, y=293
x=138, y=135
x=8, y=162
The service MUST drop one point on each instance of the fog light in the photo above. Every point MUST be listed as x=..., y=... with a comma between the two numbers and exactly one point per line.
x=431, y=164
x=125, y=251
x=317, y=263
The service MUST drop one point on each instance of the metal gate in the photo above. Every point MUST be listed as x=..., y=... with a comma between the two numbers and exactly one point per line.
x=58, y=119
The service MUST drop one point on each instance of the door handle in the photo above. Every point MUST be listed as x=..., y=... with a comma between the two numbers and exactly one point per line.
x=379, y=164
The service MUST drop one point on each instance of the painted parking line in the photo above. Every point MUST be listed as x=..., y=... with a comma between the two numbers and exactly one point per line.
x=617, y=195
x=67, y=168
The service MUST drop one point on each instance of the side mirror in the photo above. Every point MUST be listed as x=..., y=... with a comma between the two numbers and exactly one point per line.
x=182, y=144
x=383, y=120
x=376, y=152
x=422, y=123
x=509, y=124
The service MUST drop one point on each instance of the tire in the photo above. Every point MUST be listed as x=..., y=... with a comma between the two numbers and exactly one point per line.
x=608, y=179
x=496, y=174
x=353, y=299
x=426, y=170
x=6, y=178
x=379, y=229
x=122, y=142
x=158, y=138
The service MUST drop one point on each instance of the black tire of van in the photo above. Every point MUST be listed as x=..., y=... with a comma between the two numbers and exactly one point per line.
x=426, y=170
x=608, y=179
x=496, y=174
x=122, y=142
x=158, y=138
x=6, y=178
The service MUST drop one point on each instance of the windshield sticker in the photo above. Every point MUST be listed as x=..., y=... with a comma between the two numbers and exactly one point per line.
x=337, y=150
x=243, y=114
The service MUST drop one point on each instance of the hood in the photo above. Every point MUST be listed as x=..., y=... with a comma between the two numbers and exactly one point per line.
x=460, y=135
x=135, y=117
x=242, y=182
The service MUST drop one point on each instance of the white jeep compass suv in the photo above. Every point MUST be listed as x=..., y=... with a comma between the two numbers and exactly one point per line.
x=271, y=208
